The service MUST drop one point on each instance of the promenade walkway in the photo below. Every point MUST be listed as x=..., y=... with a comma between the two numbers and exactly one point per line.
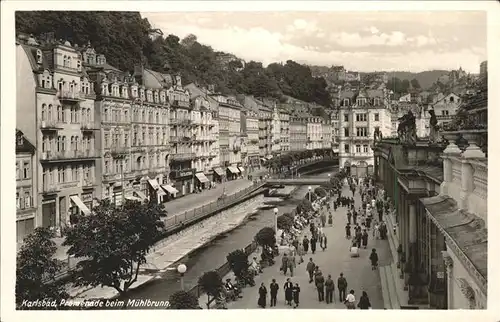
x=334, y=260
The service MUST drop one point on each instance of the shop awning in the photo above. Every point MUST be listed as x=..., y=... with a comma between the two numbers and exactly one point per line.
x=133, y=198
x=219, y=171
x=168, y=188
x=141, y=195
x=241, y=169
x=154, y=184
x=465, y=230
x=202, y=177
x=160, y=192
x=79, y=203
x=233, y=170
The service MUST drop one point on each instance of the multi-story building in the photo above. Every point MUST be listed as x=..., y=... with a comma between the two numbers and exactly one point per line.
x=230, y=118
x=284, y=116
x=251, y=130
x=326, y=133
x=276, y=131
x=314, y=133
x=361, y=114
x=298, y=130
x=265, y=130
x=59, y=119
x=445, y=107
x=203, y=135
x=483, y=69
x=334, y=117
x=26, y=196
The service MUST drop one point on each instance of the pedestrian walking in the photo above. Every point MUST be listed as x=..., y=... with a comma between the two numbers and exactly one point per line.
x=330, y=219
x=291, y=264
x=364, y=302
x=323, y=219
x=349, y=215
x=296, y=293
x=350, y=301
x=262, y=296
x=320, y=285
x=348, y=231
x=284, y=263
x=323, y=241
x=300, y=252
x=357, y=237
x=355, y=217
x=364, y=238
x=311, y=266
x=313, y=244
x=374, y=259
x=329, y=288
x=342, y=286
x=273, y=288
x=305, y=243
x=288, y=292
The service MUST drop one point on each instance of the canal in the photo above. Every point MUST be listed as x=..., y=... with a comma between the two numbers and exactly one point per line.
x=214, y=254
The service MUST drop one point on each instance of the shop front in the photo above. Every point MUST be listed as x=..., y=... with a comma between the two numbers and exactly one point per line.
x=183, y=181
x=219, y=175
x=202, y=181
x=77, y=208
x=232, y=172
x=156, y=192
x=171, y=192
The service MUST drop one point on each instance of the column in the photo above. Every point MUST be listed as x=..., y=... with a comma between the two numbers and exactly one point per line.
x=412, y=216
x=449, y=278
x=451, y=150
x=467, y=184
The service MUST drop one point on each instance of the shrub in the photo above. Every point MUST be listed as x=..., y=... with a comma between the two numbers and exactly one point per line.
x=211, y=283
x=290, y=215
x=238, y=261
x=266, y=237
x=310, y=196
x=285, y=222
x=304, y=206
x=320, y=192
x=182, y=300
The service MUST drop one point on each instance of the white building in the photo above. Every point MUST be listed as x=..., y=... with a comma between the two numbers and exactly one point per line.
x=445, y=106
x=314, y=133
x=361, y=114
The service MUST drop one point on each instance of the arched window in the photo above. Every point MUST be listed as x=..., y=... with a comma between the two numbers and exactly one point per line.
x=76, y=143
x=44, y=112
x=49, y=114
x=64, y=143
x=69, y=61
x=59, y=144
x=138, y=163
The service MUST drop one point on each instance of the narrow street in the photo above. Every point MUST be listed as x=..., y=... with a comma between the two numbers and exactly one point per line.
x=334, y=260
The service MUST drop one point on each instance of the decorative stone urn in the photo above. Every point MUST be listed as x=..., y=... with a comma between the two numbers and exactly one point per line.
x=473, y=150
x=452, y=147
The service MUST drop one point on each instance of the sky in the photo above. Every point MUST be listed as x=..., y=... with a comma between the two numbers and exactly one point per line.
x=360, y=41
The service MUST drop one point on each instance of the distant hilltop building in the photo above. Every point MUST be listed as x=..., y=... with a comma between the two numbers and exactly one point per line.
x=223, y=59
x=155, y=33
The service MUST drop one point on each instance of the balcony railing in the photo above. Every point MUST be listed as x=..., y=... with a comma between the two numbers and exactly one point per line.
x=71, y=96
x=50, y=126
x=87, y=127
x=119, y=151
x=183, y=156
x=173, y=121
x=67, y=155
x=186, y=139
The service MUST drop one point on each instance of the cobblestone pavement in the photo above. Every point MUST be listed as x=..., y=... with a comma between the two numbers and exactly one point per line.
x=334, y=260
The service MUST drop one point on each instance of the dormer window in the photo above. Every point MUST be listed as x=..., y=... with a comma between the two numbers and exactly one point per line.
x=38, y=56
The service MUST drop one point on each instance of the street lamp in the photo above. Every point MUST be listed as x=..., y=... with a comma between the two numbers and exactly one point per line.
x=276, y=224
x=310, y=188
x=182, y=269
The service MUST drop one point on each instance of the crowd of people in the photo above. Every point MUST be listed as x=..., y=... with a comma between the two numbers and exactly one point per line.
x=360, y=221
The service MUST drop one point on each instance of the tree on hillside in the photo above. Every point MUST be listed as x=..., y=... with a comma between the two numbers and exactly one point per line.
x=36, y=269
x=113, y=242
x=405, y=86
x=189, y=40
x=415, y=84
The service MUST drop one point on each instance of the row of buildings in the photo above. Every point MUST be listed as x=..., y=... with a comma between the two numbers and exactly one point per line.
x=86, y=131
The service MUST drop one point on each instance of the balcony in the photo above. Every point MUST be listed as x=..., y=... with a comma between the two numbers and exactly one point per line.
x=50, y=126
x=174, y=121
x=51, y=156
x=183, y=156
x=87, y=128
x=186, y=139
x=118, y=152
x=68, y=96
x=174, y=139
x=185, y=122
x=182, y=104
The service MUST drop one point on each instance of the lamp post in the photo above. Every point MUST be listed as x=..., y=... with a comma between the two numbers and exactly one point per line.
x=276, y=224
x=310, y=188
x=182, y=269
x=329, y=191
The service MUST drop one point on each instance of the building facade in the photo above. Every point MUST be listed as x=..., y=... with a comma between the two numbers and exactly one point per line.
x=265, y=130
x=326, y=133
x=314, y=133
x=361, y=114
x=284, y=116
x=26, y=196
x=334, y=117
x=298, y=130
x=59, y=120
x=252, y=139
x=445, y=107
x=276, y=131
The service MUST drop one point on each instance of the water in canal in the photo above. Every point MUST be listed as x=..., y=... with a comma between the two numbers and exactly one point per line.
x=214, y=254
